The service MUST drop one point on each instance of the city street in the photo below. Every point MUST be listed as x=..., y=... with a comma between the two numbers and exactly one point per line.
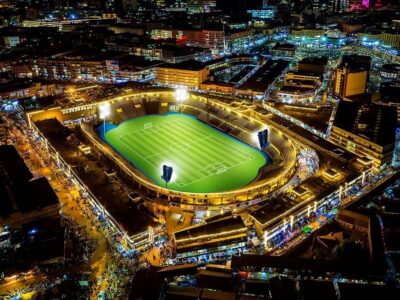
x=72, y=205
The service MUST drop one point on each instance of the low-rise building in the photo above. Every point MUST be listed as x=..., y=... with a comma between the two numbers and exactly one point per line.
x=308, y=32
x=11, y=41
x=258, y=83
x=303, y=79
x=390, y=72
x=351, y=26
x=218, y=87
x=264, y=13
x=238, y=39
x=284, y=49
x=23, y=198
x=293, y=94
x=353, y=221
x=215, y=235
x=300, y=85
x=366, y=129
x=315, y=64
x=390, y=38
x=82, y=65
x=390, y=92
x=18, y=89
x=190, y=74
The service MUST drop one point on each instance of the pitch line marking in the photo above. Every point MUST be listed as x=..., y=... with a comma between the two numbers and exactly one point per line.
x=144, y=158
x=180, y=184
x=211, y=164
x=204, y=177
x=176, y=149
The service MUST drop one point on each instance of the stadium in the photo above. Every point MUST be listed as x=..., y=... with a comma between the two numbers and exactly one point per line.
x=205, y=159
x=214, y=152
x=212, y=148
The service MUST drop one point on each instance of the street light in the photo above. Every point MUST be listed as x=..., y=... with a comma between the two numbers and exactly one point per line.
x=181, y=95
x=104, y=112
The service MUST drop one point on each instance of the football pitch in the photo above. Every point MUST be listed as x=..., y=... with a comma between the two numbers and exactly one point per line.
x=204, y=159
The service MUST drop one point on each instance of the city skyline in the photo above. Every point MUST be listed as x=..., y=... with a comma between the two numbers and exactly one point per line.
x=199, y=149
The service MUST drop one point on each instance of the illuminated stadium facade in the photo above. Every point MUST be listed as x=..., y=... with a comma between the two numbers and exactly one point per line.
x=226, y=139
x=278, y=204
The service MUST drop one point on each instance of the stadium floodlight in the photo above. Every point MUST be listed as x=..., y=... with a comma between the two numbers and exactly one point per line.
x=104, y=112
x=181, y=95
x=263, y=139
x=167, y=174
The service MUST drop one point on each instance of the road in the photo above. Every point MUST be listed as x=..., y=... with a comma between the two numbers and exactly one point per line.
x=37, y=159
x=15, y=285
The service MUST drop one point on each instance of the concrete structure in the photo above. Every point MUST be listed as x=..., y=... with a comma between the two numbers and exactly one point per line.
x=390, y=71
x=260, y=81
x=350, y=82
x=351, y=76
x=218, y=87
x=292, y=94
x=353, y=221
x=303, y=79
x=282, y=150
x=213, y=236
x=11, y=41
x=387, y=38
x=19, y=89
x=23, y=198
x=313, y=64
x=190, y=74
x=366, y=129
x=281, y=49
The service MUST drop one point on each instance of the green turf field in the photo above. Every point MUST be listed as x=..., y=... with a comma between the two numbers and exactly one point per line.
x=204, y=159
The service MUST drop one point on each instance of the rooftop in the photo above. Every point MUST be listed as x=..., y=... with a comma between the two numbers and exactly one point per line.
x=133, y=62
x=284, y=46
x=15, y=85
x=218, y=226
x=18, y=191
x=373, y=122
x=354, y=61
x=89, y=54
x=296, y=89
x=314, y=60
x=273, y=209
x=391, y=67
x=261, y=80
x=305, y=73
x=190, y=65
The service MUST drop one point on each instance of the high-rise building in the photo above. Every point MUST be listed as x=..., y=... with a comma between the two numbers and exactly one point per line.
x=129, y=6
x=341, y=5
x=351, y=76
x=232, y=7
x=350, y=82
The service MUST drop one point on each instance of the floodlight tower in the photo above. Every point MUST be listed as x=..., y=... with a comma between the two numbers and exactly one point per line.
x=104, y=112
x=263, y=139
x=181, y=95
x=167, y=174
